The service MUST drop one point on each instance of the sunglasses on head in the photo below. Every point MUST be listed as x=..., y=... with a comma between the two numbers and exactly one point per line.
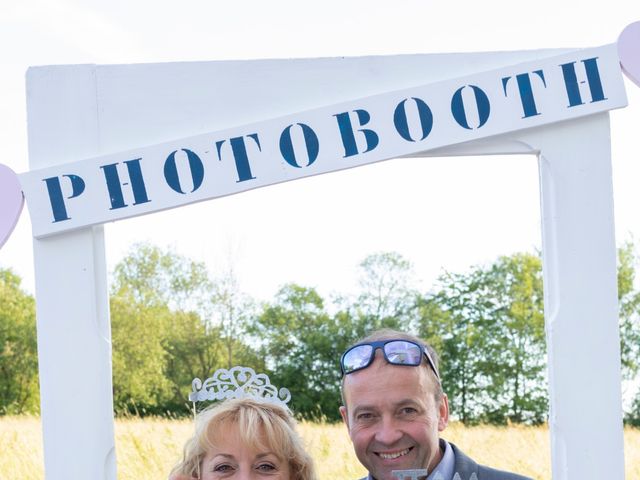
x=395, y=351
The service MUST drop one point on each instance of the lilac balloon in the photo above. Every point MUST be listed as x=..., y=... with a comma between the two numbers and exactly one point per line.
x=629, y=52
x=11, y=202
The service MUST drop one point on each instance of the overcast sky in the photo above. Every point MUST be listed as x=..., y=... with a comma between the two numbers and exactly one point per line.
x=448, y=214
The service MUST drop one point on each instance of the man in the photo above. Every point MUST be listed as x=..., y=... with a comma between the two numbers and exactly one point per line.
x=394, y=408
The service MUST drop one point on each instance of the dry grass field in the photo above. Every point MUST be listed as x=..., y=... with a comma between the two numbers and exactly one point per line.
x=146, y=449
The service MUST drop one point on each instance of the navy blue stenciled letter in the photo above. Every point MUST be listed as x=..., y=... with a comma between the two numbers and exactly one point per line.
x=482, y=104
x=526, y=92
x=348, y=137
x=171, y=171
x=114, y=186
x=310, y=140
x=573, y=86
x=402, y=125
x=240, y=156
x=57, y=199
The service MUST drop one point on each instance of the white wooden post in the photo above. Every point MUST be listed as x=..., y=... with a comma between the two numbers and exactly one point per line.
x=72, y=309
x=581, y=304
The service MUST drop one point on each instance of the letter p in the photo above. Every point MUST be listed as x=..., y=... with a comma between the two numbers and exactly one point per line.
x=56, y=197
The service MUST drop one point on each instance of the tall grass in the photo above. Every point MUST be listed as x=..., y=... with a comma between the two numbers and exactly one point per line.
x=148, y=448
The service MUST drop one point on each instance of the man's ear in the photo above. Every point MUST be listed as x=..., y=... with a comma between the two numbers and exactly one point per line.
x=443, y=413
x=345, y=416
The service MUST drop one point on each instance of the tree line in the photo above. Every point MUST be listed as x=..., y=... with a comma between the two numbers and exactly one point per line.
x=172, y=321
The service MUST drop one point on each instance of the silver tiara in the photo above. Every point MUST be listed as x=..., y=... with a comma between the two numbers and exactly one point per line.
x=237, y=382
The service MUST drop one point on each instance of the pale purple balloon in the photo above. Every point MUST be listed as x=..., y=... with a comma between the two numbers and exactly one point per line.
x=11, y=202
x=629, y=52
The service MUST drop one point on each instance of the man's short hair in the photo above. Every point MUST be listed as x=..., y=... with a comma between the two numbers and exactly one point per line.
x=391, y=334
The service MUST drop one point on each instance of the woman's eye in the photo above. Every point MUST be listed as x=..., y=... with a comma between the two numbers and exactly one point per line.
x=223, y=468
x=266, y=467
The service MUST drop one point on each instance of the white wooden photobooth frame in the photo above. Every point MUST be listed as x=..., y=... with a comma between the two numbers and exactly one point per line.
x=77, y=112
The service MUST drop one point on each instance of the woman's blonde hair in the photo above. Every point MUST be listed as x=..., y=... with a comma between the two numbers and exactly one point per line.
x=257, y=422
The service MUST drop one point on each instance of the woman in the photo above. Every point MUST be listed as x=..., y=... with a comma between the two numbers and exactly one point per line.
x=245, y=439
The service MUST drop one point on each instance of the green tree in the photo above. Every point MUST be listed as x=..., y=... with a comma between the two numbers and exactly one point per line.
x=18, y=355
x=457, y=318
x=171, y=324
x=489, y=326
x=139, y=357
x=628, y=306
x=387, y=295
x=302, y=345
x=632, y=417
x=232, y=310
x=157, y=277
x=159, y=300
x=519, y=383
x=629, y=318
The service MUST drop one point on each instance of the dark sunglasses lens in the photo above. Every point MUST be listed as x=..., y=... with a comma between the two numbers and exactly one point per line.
x=403, y=353
x=356, y=358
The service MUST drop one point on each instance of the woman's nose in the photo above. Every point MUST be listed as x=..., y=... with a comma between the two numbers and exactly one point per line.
x=244, y=474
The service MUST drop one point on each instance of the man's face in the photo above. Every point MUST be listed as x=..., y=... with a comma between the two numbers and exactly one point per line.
x=392, y=417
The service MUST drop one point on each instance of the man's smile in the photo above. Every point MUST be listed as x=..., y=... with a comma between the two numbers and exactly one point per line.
x=393, y=455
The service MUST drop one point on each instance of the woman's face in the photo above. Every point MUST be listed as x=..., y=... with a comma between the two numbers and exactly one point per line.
x=233, y=460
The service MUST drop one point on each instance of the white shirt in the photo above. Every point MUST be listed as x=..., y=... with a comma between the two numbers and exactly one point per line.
x=445, y=468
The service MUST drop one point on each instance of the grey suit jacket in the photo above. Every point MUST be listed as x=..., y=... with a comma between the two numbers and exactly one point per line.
x=465, y=468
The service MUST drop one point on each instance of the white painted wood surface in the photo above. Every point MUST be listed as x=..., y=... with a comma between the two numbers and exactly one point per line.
x=72, y=308
x=581, y=304
x=218, y=172
x=87, y=111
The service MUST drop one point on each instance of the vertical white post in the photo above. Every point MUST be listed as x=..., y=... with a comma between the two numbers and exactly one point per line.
x=74, y=336
x=581, y=305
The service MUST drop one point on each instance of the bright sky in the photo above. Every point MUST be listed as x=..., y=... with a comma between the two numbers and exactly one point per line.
x=449, y=214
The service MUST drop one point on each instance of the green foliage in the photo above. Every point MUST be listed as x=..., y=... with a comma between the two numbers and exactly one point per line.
x=386, y=296
x=139, y=357
x=629, y=303
x=519, y=383
x=633, y=416
x=153, y=277
x=488, y=325
x=302, y=345
x=18, y=354
x=147, y=283
x=193, y=350
x=232, y=312
x=171, y=322
x=462, y=323
x=629, y=318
